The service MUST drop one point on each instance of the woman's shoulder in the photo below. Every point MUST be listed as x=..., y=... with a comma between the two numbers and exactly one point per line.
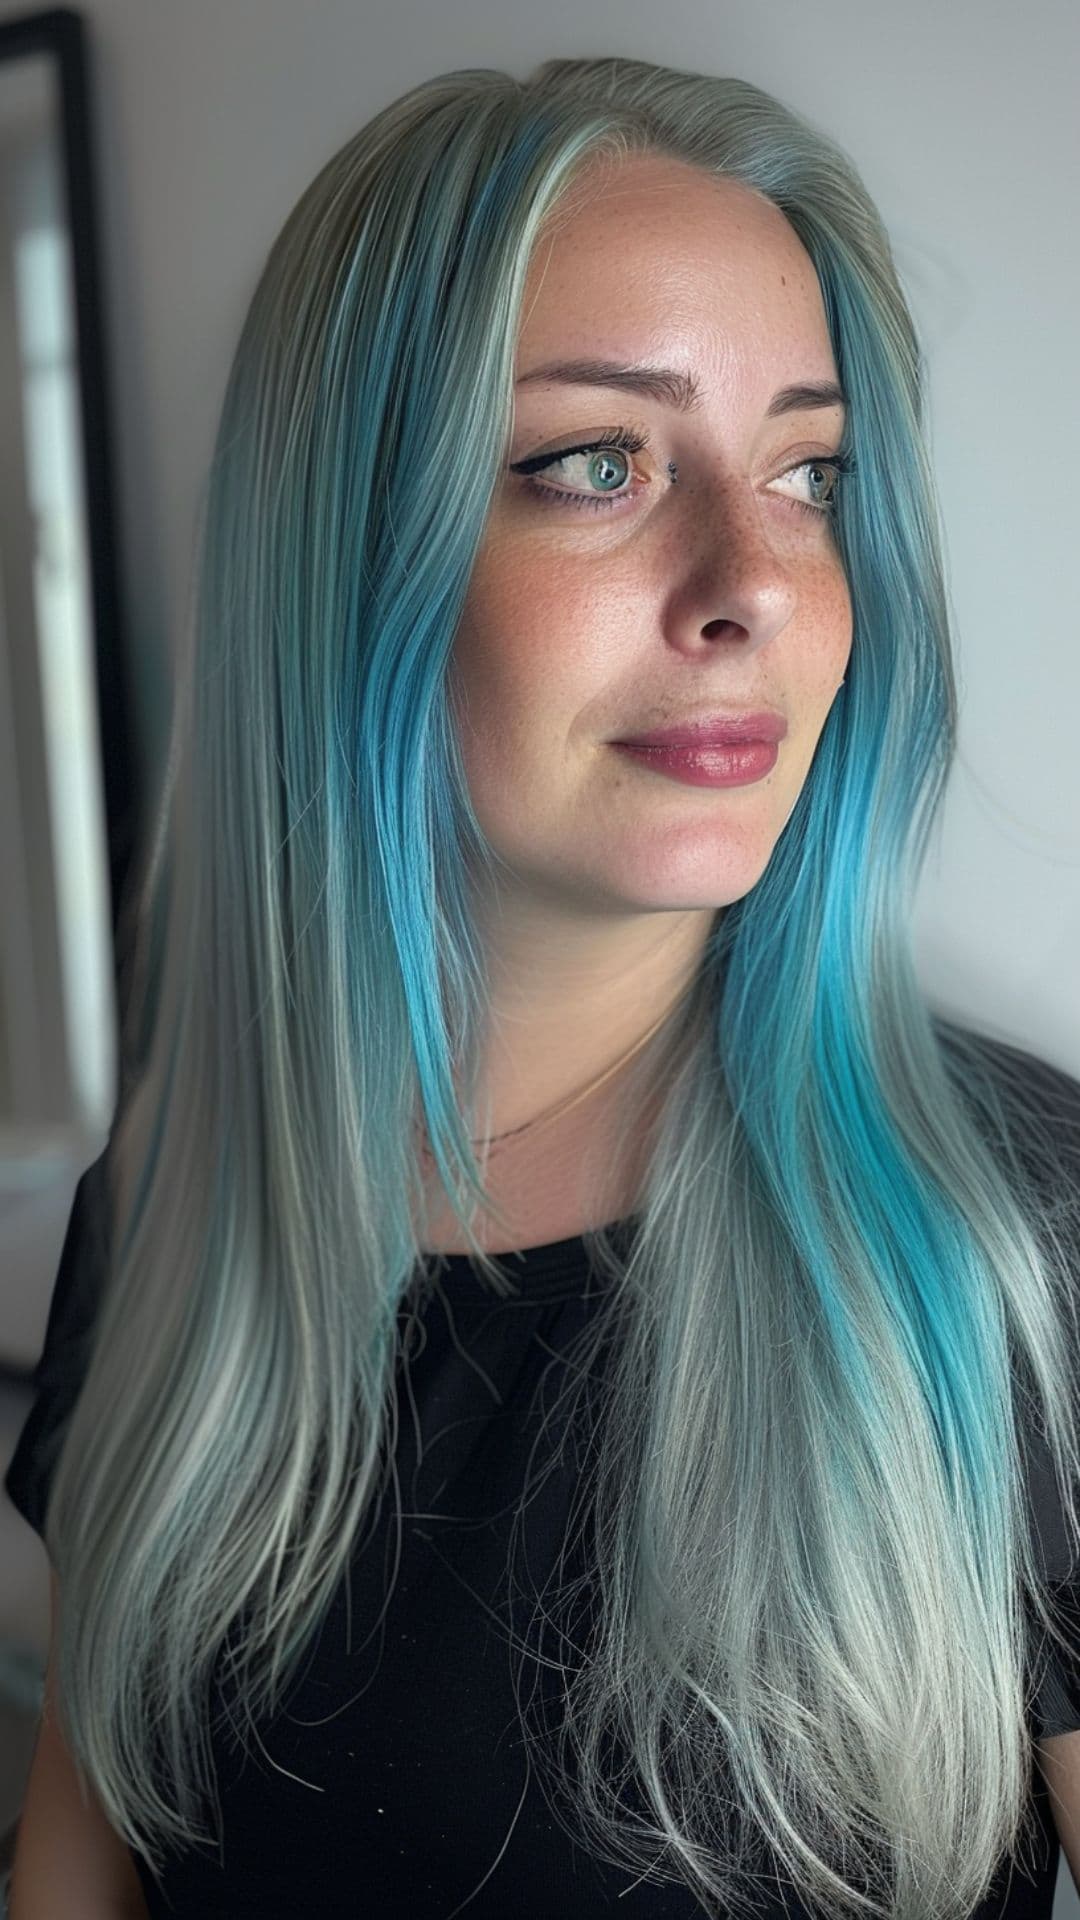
x=1008, y=1057
x=1029, y=1105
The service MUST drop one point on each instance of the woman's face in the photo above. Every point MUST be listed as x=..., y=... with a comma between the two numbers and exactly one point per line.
x=721, y=590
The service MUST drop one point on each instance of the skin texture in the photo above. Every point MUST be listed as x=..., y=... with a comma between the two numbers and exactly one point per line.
x=712, y=590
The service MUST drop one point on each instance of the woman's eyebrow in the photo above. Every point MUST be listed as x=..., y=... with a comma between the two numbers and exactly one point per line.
x=673, y=388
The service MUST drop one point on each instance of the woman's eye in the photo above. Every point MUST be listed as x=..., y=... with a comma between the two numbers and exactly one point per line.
x=824, y=473
x=604, y=464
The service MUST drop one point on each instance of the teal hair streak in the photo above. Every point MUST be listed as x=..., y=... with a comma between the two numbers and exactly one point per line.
x=813, y=1555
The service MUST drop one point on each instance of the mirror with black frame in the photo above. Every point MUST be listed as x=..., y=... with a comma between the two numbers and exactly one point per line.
x=67, y=798
x=68, y=804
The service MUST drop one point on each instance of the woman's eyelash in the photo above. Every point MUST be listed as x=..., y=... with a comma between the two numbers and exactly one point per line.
x=626, y=440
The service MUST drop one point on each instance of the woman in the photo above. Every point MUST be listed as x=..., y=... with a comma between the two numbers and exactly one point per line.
x=549, y=1132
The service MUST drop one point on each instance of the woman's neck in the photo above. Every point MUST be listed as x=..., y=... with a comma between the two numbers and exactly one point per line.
x=582, y=1172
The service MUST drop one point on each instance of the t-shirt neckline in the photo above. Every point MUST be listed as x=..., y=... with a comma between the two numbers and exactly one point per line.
x=538, y=1271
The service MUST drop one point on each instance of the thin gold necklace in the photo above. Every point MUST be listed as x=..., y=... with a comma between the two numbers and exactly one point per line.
x=564, y=1106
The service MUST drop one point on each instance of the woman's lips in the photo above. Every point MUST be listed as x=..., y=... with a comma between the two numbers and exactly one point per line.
x=713, y=766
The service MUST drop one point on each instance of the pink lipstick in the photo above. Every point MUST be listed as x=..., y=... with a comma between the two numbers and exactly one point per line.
x=716, y=750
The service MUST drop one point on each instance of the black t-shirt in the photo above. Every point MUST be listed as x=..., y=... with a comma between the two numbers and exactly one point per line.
x=395, y=1780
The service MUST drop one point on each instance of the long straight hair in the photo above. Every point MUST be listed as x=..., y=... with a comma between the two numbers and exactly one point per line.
x=844, y=1299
